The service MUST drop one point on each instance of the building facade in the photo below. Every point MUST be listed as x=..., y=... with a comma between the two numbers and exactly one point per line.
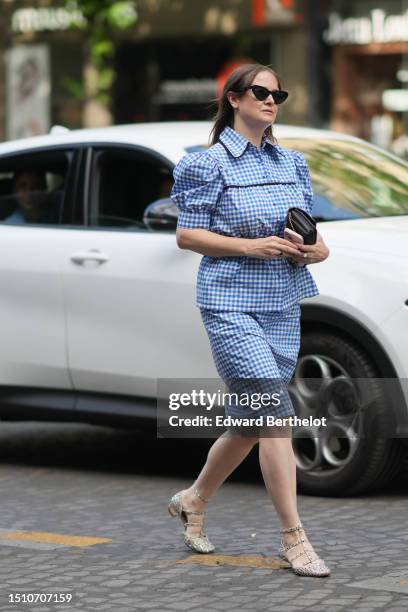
x=170, y=65
x=344, y=63
x=175, y=60
x=369, y=70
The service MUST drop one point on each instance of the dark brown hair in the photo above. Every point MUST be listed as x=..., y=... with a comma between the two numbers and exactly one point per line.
x=238, y=79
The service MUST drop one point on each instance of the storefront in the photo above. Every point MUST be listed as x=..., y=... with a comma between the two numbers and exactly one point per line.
x=175, y=60
x=169, y=65
x=41, y=58
x=176, y=79
x=369, y=67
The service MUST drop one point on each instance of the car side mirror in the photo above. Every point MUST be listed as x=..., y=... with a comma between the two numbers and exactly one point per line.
x=161, y=215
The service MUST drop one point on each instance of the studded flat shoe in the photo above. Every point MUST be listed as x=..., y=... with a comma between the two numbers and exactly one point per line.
x=198, y=542
x=313, y=567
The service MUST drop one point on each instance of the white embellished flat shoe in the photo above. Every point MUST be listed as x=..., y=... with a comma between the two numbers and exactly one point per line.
x=198, y=542
x=313, y=567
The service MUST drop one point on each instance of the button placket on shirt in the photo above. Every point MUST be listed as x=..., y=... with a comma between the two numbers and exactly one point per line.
x=261, y=160
x=264, y=174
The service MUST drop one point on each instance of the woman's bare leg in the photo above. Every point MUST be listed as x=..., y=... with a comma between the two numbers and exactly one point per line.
x=223, y=457
x=278, y=466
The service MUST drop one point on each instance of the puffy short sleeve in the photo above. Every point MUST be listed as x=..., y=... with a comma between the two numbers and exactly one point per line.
x=302, y=170
x=197, y=188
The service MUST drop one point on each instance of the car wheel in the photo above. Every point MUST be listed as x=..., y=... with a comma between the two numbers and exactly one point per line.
x=352, y=454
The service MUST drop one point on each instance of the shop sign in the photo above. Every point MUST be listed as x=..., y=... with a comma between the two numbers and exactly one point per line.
x=53, y=19
x=377, y=28
x=187, y=91
x=46, y=18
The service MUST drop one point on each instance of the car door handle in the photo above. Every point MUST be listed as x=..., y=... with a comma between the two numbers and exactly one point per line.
x=91, y=255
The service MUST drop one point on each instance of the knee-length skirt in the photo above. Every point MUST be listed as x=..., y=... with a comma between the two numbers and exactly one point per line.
x=254, y=353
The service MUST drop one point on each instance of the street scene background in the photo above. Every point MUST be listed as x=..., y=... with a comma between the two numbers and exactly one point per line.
x=88, y=63
x=84, y=508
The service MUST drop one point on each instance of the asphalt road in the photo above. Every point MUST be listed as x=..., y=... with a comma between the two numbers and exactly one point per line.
x=84, y=526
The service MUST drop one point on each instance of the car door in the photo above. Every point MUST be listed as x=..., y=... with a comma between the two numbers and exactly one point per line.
x=129, y=291
x=36, y=194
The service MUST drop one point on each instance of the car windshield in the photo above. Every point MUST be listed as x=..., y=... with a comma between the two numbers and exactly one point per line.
x=351, y=179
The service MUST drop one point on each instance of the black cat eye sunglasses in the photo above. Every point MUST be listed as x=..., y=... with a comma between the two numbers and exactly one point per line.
x=261, y=93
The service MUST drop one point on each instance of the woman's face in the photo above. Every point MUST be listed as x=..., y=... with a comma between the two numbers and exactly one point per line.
x=254, y=112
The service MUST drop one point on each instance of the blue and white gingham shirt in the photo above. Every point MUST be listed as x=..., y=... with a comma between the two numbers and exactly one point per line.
x=235, y=189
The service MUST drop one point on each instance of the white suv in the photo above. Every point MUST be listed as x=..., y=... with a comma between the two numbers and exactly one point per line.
x=98, y=303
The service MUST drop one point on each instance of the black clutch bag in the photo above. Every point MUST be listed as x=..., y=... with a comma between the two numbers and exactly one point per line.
x=301, y=222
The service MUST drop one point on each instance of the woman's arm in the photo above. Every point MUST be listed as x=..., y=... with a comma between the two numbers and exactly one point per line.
x=212, y=244
x=316, y=252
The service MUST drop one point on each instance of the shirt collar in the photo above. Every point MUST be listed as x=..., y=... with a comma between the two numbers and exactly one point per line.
x=236, y=143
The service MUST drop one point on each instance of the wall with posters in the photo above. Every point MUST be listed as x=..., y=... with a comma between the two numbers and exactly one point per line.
x=27, y=91
x=36, y=41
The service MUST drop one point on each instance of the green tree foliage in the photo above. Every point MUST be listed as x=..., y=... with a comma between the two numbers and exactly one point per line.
x=103, y=18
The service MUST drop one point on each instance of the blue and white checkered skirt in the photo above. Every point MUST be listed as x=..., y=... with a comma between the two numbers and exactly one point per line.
x=254, y=353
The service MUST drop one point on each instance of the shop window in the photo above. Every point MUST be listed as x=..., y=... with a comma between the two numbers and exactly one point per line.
x=32, y=188
x=124, y=184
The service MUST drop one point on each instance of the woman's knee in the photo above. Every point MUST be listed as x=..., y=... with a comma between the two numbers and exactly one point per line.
x=252, y=440
x=243, y=437
x=275, y=431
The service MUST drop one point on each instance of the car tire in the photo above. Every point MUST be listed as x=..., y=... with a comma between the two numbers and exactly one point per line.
x=373, y=459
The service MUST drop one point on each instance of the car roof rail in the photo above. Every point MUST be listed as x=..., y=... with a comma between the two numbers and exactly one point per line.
x=59, y=129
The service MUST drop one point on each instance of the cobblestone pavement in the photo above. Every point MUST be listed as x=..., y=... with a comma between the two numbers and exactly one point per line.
x=75, y=480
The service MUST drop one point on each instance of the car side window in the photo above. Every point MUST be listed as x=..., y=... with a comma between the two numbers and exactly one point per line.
x=33, y=187
x=124, y=183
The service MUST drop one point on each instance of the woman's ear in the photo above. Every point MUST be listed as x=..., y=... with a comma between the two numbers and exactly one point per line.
x=232, y=99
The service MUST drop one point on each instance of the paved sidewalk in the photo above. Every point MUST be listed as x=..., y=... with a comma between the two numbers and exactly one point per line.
x=144, y=565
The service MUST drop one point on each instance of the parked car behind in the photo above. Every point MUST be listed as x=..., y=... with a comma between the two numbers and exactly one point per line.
x=98, y=301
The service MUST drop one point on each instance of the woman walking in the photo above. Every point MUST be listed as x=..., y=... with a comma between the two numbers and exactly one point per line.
x=233, y=200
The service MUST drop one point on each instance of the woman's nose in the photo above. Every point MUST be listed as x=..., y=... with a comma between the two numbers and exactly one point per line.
x=269, y=98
